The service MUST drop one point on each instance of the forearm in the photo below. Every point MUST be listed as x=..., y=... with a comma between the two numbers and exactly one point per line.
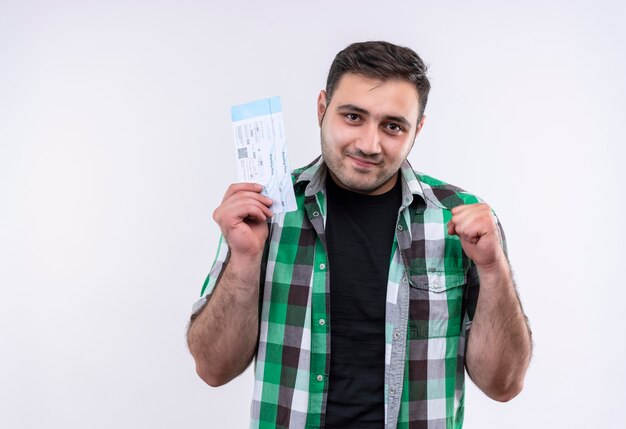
x=223, y=337
x=499, y=346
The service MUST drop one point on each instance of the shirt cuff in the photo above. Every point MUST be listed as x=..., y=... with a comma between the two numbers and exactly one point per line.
x=198, y=306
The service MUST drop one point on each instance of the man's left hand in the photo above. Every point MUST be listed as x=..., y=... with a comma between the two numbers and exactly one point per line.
x=476, y=227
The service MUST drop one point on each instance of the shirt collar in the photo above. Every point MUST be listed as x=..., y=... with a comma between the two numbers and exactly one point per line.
x=315, y=175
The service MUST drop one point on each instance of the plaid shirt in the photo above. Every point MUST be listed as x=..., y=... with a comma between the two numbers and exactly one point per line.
x=431, y=297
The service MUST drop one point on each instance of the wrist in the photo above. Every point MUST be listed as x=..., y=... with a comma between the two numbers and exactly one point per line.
x=244, y=261
x=243, y=273
x=496, y=270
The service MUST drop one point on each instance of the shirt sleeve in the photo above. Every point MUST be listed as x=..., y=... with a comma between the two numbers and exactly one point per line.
x=502, y=236
x=214, y=275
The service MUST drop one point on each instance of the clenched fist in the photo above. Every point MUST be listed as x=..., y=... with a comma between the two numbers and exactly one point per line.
x=242, y=217
x=476, y=227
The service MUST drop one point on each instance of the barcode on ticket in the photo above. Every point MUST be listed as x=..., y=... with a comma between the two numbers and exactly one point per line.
x=242, y=152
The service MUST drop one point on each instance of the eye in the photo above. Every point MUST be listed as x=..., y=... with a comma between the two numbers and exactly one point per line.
x=394, y=128
x=352, y=117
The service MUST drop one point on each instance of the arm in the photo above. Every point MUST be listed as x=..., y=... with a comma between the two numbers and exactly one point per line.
x=499, y=343
x=222, y=338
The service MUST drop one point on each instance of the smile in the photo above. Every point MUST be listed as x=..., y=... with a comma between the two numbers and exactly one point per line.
x=363, y=163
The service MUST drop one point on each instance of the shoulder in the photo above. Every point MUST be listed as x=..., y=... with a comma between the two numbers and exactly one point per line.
x=296, y=173
x=443, y=194
x=308, y=172
x=447, y=196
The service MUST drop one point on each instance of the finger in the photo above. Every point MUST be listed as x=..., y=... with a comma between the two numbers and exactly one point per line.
x=238, y=187
x=236, y=210
x=472, y=229
x=244, y=195
x=476, y=208
x=257, y=214
x=263, y=208
x=471, y=238
x=469, y=214
x=451, y=228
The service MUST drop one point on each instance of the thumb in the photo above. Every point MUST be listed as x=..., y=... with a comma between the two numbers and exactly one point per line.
x=451, y=228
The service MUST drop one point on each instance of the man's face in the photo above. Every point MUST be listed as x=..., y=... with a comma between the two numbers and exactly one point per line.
x=367, y=131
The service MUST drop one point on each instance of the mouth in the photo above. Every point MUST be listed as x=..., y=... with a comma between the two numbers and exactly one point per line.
x=363, y=163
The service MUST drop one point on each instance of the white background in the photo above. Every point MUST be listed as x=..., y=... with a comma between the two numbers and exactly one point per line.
x=116, y=146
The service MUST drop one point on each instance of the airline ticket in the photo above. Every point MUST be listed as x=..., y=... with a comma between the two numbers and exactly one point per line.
x=261, y=150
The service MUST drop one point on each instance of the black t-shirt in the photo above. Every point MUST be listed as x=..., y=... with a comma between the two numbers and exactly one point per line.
x=359, y=234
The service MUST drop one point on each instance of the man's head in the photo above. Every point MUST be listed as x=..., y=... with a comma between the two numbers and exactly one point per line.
x=383, y=61
x=370, y=114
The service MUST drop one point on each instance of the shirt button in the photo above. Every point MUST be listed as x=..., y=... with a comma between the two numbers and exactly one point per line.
x=396, y=335
x=404, y=280
x=320, y=377
x=392, y=391
x=322, y=322
x=315, y=214
x=322, y=266
x=436, y=286
x=400, y=227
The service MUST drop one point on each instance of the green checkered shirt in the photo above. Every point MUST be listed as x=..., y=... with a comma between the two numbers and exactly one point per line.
x=431, y=297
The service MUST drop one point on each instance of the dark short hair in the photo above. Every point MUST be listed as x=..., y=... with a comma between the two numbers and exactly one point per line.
x=380, y=60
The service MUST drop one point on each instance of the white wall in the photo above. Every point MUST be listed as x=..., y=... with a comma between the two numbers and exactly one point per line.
x=115, y=147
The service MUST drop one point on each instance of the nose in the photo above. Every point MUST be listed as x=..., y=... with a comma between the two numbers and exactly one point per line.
x=369, y=141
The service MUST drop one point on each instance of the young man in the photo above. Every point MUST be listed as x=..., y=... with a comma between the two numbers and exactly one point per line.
x=358, y=306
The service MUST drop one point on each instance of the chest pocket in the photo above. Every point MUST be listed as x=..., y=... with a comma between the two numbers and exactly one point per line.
x=436, y=304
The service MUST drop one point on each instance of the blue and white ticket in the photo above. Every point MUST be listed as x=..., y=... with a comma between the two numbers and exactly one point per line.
x=261, y=150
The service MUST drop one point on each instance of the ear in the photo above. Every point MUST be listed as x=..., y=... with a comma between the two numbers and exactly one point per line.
x=321, y=107
x=420, y=124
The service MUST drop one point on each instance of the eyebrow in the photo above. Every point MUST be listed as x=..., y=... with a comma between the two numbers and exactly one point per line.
x=351, y=107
